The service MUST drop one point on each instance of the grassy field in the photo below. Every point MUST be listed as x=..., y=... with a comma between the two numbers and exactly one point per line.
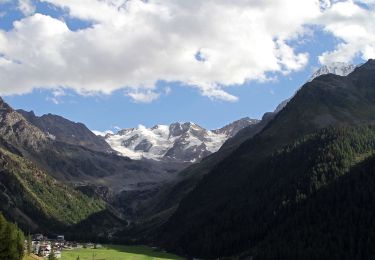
x=117, y=253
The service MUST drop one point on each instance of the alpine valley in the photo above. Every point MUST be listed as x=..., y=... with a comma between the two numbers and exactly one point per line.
x=296, y=184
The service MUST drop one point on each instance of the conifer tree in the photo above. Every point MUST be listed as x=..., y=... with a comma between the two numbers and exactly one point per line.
x=29, y=244
x=11, y=240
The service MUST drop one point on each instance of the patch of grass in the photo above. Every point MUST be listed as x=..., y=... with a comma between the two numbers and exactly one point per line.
x=112, y=252
x=31, y=257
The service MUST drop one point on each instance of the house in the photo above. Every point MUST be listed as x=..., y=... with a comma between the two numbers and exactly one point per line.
x=58, y=254
x=38, y=237
x=44, y=250
x=60, y=238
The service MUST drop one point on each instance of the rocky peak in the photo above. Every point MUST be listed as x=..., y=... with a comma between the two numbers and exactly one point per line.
x=337, y=68
x=64, y=130
x=16, y=130
x=232, y=129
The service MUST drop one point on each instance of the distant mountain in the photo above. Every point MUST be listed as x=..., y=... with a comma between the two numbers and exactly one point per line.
x=249, y=200
x=27, y=193
x=64, y=130
x=178, y=142
x=16, y=131
x=49, y=182
x=337, y=68
x=233, y=128
x=162, y=205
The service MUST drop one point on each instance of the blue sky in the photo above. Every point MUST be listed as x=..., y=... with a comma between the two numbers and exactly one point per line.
x=177, y=100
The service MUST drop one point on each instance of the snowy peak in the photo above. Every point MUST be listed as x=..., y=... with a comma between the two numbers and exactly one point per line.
x=180, y=142
x=337, y=68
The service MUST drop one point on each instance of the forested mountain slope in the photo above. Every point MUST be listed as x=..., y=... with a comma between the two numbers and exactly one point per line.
x=258, y=215
x=239, y=203
x=36, y=200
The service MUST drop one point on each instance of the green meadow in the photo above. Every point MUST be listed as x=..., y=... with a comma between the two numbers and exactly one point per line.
x=113, y=252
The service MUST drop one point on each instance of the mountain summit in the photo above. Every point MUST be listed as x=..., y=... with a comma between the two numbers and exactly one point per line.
x=180, y=142
x=337, y=68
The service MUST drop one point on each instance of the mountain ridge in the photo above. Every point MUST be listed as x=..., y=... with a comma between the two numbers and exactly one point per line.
x=337, y=68
x=203, y=215
x=180, y=142
x=61, y=129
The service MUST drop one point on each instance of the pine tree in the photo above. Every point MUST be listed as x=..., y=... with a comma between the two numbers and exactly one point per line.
x=20, y=240
x=10, y=243
x=29, y=244
x=11, y=240
x=3, y=224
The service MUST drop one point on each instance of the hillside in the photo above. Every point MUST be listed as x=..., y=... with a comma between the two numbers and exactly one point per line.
x=36, y=200
x=78, y=165
x=157, y=210
x=260, y=217
x=227, y=199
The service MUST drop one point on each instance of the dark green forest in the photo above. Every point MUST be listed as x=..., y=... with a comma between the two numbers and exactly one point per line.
x=28, y=189
x=312, y=199
x=11, y=240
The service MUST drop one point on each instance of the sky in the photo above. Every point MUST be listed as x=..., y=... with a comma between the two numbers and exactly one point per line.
x=114, y=64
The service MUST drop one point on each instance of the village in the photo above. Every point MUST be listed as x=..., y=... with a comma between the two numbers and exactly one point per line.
x=43, y=246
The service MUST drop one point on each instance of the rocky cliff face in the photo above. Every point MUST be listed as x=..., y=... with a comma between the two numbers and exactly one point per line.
x=16, y=131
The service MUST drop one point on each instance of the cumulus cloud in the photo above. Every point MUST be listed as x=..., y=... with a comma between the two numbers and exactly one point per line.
x=26, y=7
x=354, y=26
x=132, y=44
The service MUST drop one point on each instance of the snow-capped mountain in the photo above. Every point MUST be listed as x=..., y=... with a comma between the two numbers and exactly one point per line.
x=338, y=68
x=181, y=142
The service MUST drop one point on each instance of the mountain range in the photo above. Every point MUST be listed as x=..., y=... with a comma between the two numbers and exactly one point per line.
x=49, y=156
x=297, y=184
x=178, y=142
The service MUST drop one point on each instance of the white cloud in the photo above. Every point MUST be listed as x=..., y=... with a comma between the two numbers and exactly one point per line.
x=167, y=90
x=26, y=7
x=58, y=92
x=354, y=26
x=142, y=96
x=133, y=44
x=56, y=96
x=53, y=100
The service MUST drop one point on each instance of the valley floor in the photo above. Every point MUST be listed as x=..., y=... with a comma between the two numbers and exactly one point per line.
x=112, y=252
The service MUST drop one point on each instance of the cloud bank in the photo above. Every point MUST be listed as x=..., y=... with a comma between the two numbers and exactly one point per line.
x=209, y=45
